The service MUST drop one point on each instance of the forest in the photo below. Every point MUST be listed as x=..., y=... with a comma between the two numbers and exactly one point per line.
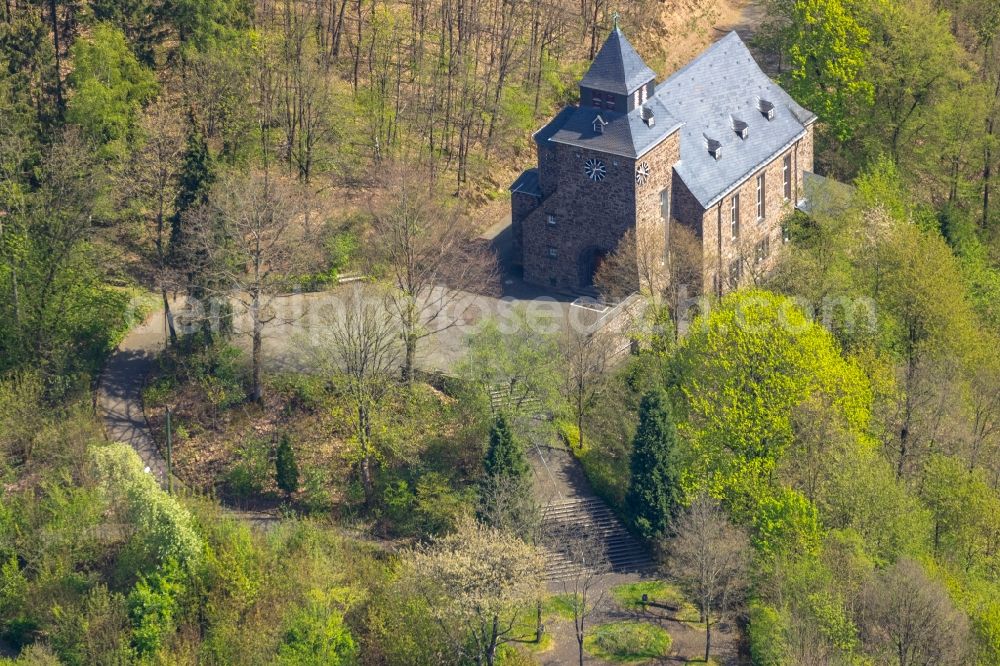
x=813, y=466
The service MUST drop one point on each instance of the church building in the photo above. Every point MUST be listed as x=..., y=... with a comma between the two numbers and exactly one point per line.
x=717, y=147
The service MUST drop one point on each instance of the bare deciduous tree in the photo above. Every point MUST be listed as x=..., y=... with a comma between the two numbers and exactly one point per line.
x=664, y=264
x=584, y=549
x=424, y=251
x=709, y=555
x=586, y=357
x=362, y=348
x=152, y=178
x=910, y=621
x=252, y=239
x=508, y=504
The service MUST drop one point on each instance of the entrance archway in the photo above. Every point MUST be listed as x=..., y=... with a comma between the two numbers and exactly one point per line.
x=590, y=260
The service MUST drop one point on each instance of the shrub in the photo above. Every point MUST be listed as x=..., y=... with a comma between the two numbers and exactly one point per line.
x=157, y=393
x=439, y=507
x=250, y=472
x=163, y=528
x=286, y=471
x=568, y=433
x=317, y=634
x=304, y=392
x=398, y=499
x=153, y=605
x=767, y=636
x=315, y=496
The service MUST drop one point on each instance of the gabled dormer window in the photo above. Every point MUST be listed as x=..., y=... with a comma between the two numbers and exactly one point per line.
x=647, y=116
x=766, y=108
x=714, y=148
x=599, y=125
x=741, y=128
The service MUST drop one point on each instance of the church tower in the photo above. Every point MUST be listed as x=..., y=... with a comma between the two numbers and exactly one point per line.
x=618, y=80
x=604, y=166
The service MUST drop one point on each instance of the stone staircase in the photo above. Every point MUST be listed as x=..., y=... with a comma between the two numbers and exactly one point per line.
x=502, y=400
x=624, y=553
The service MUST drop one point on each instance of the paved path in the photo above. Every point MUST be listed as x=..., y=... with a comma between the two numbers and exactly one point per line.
x=119, y=394
x=119, y=399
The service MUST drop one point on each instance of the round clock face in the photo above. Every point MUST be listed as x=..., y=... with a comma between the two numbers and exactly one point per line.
x=641, y=173
x=595, y=169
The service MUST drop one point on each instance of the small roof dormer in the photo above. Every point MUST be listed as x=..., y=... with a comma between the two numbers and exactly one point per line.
x=618, y=72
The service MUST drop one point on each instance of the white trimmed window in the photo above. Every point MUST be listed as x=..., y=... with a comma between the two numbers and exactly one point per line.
x=786, y=171
x=550, y=219
x=553, y=253
x=760, y=197
x=735, y=271
x=734, y=216
x=762, y=251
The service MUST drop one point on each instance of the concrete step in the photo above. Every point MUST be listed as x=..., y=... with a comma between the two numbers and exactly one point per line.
x=623, y=551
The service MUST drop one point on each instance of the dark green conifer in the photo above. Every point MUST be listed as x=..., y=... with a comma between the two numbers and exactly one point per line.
x=195, y=181
x=654, y=489
x=504, y=458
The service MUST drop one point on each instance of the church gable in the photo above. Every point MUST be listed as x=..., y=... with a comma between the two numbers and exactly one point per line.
x=734, y=118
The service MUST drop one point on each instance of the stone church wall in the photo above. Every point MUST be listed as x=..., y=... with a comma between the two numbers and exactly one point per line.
x=589, y=216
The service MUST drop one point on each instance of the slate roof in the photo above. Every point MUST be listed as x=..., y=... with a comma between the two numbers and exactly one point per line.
x=706, y=98
x=625, y=134
x=527, y=183
x=720, y=86
x=617, y=68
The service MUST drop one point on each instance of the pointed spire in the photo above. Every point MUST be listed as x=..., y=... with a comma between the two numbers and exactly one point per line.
x=618, y=68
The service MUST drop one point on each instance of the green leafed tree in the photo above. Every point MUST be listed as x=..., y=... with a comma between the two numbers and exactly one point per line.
x=737, y=380
x=654, y=490
x=203, y=23
x=195, y=181
x=827, y=46
x=109, y=86
x=505, y=498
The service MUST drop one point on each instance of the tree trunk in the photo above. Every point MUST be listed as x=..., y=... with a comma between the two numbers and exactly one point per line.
x=708, y=637
x=366, y=478
x=170, y=317
x=257, y=393
x=987, y=174
x=538, y=622
x=364, y=433
x=491, y=650
x=411, y=354
x=54, y=19
x=258, y=340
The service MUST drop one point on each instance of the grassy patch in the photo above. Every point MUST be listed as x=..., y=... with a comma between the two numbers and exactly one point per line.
x=558, y=605
x=628, y=642
x=629, y=597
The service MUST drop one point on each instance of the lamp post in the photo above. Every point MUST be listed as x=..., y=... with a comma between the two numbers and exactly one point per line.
x=170, y=475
